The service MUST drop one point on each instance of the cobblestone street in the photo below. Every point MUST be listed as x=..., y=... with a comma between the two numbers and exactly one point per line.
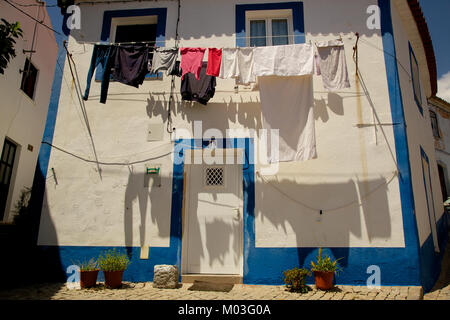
x=145, y=291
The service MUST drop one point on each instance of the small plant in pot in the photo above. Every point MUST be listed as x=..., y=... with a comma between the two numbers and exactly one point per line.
x=113, y=264
x=295, y=279
x=324, y=270
x=88, y=273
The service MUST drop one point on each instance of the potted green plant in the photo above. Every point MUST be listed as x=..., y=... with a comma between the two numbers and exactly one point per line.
x=324, y=270
x=88, y=273
x=295, y=279
x=113, y=264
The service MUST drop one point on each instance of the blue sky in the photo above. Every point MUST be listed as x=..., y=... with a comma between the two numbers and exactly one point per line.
x=436, y=14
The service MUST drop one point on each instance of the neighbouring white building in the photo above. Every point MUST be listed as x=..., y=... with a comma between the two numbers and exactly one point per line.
x=440, y=124
x=25, y=90
x=370, y=197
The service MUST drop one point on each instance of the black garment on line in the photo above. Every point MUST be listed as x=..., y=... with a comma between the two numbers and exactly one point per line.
x=130, y=64
x=198, y=90
x=176, y=69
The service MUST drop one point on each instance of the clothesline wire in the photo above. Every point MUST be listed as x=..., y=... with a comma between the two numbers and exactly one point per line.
x=388, y=53
x=102, y=162
x=35, y=5
x=177, y=40
x=360, y=79
x=115, y=1
x=332, y=209
x=65, y=80
x=31, y=17
x=81, y=101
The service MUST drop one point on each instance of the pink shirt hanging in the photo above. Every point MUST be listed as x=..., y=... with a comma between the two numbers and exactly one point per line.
x=214, y=60
x=191, y=61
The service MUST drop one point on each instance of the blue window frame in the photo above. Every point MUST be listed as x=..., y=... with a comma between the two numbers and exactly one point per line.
x=415, y=75
x=297, y=19
x=161, y=16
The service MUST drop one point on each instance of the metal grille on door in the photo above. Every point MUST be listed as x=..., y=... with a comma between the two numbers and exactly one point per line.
x=214, y=176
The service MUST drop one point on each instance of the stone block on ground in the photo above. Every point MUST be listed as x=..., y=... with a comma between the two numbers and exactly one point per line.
x=165, y=276
x=415, y=293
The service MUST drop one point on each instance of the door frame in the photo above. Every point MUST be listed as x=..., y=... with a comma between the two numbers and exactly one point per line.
x=196, y=157
x=4, y=214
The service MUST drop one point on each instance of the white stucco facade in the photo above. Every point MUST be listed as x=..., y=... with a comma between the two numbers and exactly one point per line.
x=22, y=119
x=353, y=181
x=351, y=162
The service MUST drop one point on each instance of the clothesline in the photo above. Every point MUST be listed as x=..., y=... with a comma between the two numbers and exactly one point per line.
x=150, y=42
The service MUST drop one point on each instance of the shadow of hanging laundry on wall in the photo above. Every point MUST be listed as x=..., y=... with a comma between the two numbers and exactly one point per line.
x=287, y=214
x=157, y=108
x=149, y=192
x=334, y=102
x=376, y=209
x=219, y=229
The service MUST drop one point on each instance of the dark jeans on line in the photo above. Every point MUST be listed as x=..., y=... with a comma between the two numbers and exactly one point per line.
x=103, y=55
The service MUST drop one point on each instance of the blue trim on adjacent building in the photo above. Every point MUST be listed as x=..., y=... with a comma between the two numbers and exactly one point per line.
x=297, y=19
x=412, y=57
x=161, y=14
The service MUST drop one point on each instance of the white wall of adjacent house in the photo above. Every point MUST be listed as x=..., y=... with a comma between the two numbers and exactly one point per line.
x=352, y=180
x=442, y=143
x=427, y=201
x=22, y=119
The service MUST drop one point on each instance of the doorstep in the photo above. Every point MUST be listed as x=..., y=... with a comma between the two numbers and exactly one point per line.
x=212, y=278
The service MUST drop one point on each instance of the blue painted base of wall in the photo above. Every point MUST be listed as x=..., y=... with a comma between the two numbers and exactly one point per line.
x=268, y=264
x=395, y=266
x=138, y=271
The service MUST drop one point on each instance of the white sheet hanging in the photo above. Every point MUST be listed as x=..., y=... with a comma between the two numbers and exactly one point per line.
x=333, y=66
x=287, y=60
x=237, y=63
x=287, y=105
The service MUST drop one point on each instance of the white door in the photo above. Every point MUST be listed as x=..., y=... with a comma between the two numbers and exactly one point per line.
x=212, y=237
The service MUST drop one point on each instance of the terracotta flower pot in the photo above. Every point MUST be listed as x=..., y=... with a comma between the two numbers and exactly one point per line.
x=88, y=278
x=324, y=280
x=113, y=279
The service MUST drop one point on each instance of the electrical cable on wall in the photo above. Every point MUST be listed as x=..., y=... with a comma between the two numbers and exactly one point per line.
x=331, y=209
